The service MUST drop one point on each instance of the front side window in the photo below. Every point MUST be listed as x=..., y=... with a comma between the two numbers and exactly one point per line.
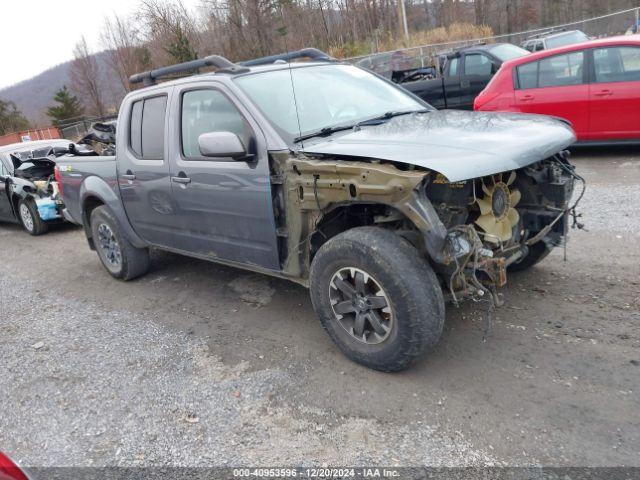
x=146, y=128
x=617, y=64
x=303, y=100
x=477, y=64
x=561, y=70
x=205, y=111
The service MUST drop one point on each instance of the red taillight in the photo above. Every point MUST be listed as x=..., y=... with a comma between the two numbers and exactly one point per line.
x=56, y=176
x=9, y=470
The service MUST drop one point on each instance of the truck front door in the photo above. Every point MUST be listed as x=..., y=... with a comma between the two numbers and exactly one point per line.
x=225, y=205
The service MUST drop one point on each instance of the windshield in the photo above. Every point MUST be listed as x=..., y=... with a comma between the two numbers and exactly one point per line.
x=326, y=96
x=566, y=39
x=506, y=51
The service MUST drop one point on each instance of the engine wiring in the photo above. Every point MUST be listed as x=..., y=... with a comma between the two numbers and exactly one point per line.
x=572, y=210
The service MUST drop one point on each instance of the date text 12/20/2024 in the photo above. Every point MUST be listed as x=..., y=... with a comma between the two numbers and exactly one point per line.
x=373, y=472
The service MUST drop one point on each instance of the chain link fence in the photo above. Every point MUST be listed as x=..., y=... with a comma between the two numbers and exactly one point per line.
x=76, y=128
x=385, y=63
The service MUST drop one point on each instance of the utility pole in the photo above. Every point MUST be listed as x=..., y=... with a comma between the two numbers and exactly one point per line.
x=402, y=17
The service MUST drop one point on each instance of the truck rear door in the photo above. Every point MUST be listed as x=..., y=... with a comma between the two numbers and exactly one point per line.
x=478, y=70
x=451, y=82
x=143, y=169
x=225, y=205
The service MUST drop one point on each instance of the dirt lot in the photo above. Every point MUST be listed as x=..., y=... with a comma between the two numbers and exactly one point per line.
x=198, y=364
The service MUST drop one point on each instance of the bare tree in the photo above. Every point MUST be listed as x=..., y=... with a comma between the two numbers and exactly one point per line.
x=170, y=31
x=85, y=78
x=126, y=52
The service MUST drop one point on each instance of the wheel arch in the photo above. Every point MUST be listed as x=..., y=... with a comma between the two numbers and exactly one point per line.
x=95, y=192
x=351, y=215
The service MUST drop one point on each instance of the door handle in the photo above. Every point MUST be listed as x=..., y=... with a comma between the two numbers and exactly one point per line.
x=129, y=175
x=603, y=93
x=527, y=98
x=181, y=178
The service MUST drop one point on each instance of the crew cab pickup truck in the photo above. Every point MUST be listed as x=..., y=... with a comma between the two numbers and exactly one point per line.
x=465, y=73
x=327, y=175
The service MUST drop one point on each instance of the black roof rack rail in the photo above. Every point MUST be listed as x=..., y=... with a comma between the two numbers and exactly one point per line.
x=310, y=53
x=223, y=65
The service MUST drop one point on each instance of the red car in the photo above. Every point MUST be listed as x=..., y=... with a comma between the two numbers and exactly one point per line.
x=594, y=85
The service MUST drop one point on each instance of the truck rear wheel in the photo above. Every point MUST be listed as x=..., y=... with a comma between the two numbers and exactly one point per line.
x=30, y=218
x=377, y=298
x=121, y=259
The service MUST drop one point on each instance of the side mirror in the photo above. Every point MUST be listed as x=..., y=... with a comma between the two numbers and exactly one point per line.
x=221, y=144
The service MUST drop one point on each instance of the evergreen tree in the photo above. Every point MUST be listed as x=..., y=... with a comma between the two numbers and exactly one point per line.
x=68, y=106
x=11, y=119
x=181, y=49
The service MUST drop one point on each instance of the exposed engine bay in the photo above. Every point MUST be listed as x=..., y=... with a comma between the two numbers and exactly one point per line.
x=471, y=231
x=34, y=178
x=494, y=222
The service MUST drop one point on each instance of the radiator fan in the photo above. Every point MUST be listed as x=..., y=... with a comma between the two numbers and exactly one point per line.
x=497, y=215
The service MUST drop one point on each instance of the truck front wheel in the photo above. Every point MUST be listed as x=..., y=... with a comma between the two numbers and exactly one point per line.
x=377, y=298
x=121, y=259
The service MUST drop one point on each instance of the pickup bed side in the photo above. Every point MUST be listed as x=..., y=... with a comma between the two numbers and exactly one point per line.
x=88, y=182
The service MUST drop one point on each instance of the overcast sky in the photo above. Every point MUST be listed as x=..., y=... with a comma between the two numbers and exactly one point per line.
x=39, y=34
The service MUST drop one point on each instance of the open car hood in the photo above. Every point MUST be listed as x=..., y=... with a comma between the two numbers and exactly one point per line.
x=17, y=161
x=460, y=145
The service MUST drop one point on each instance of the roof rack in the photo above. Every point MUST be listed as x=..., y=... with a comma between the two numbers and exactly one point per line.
x=223, y=65
x=310, y=53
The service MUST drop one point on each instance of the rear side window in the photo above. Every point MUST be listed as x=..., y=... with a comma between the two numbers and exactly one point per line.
x=477, y=64
x=453, y=67
x=617, y=64
x=146, y=129
x=135, y=126
x=556, y=71
x=528, y=75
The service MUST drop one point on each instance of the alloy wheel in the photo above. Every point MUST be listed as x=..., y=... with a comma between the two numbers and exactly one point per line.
x=25, y=216
x=361, y=306
x=109, y=245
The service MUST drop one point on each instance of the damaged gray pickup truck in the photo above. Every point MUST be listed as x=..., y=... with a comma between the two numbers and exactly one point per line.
x=327, y=175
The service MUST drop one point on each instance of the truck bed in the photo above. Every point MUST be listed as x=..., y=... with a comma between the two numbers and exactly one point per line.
x=75, y=171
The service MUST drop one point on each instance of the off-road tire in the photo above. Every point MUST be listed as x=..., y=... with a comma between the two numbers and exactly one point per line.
x=406, y=278
x=537, y=252
x=133, y=261
x=35, y=226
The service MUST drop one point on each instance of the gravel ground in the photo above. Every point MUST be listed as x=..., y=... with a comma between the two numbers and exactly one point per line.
x=197, y=364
